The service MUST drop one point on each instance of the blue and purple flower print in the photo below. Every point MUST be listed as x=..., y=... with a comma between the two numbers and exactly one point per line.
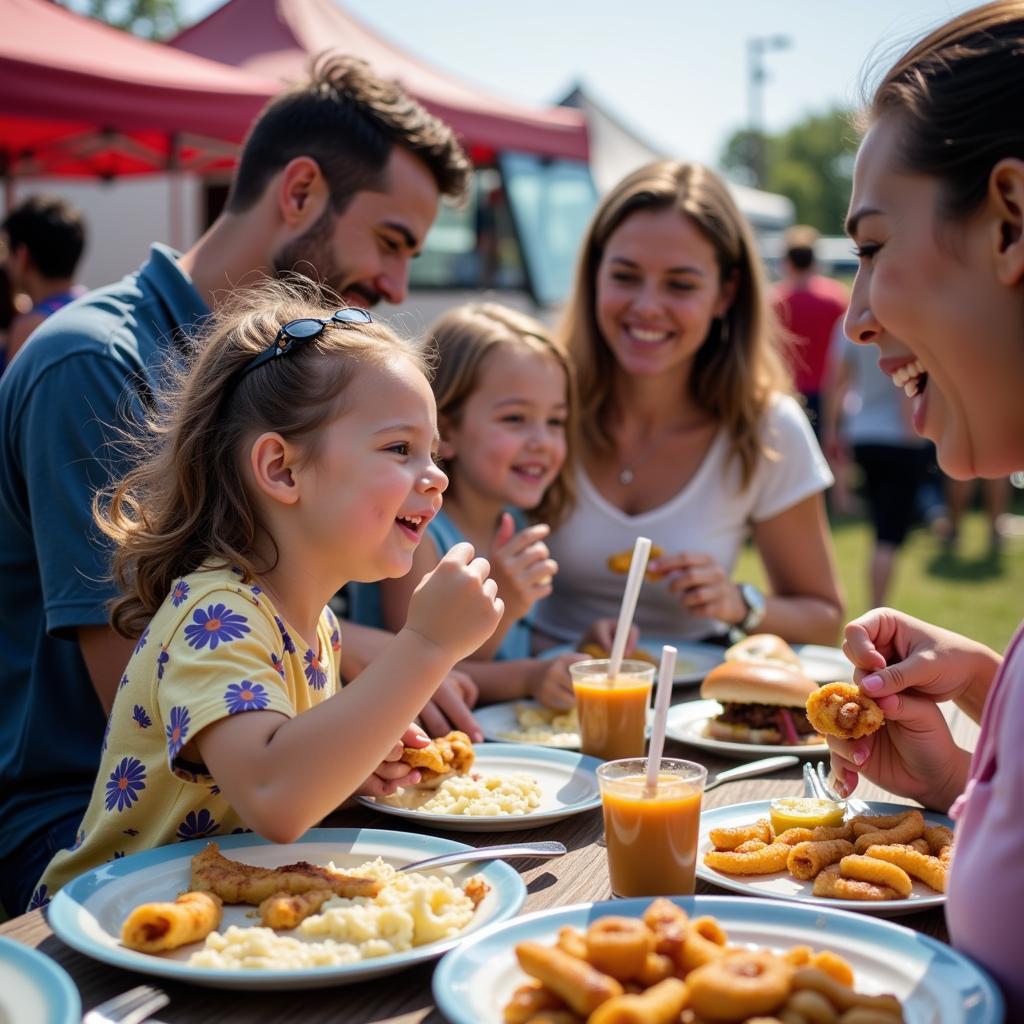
x=277, y=663
x=141, y=718
x=126, y=781
x=40, y=898
x=217, y=625
x=123, y=681
x=161, y=663
x=245, y=696
x=179, y=595
x=141, y=642
x=316, y=675
x=289, y=644
x=197, y=826
x=335, y=639
x=177, y=731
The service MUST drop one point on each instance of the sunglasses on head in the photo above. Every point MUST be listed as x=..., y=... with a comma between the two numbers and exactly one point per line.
x=295, y=332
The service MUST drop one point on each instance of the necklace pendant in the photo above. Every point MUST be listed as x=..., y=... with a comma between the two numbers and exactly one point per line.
x=625, y=476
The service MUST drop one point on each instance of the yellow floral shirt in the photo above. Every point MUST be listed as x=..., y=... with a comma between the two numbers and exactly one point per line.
x=216, y=647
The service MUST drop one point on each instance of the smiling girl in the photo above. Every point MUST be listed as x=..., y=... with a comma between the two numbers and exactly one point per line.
x=296, y=455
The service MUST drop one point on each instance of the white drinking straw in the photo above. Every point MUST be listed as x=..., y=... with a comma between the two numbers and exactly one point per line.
x=661, y=702
x=637, y=568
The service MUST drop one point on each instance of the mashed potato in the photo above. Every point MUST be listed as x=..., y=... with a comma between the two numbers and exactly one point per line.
x=546, y=726
x=410, y=910
x=476, y=795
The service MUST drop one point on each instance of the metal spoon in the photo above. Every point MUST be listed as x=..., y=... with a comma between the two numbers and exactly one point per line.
x=540, y=850
x=745, y=771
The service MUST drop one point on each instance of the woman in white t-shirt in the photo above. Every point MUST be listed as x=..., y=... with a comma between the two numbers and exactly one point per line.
x=689, y=432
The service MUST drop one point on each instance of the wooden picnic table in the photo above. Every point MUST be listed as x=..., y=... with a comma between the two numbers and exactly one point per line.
x=405, y=998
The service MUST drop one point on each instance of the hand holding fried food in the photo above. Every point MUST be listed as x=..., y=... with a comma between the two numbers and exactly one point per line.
x=840, y=709
x=621, y=561
x=235, y=882
x=446, y=755
x=156, y=927
x=688, y=972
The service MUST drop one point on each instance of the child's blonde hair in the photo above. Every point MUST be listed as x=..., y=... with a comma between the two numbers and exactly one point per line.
x=185, y=503
x=465, y=337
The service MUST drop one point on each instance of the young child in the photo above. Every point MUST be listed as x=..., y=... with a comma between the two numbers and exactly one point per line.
x=295, y=455
x=504, y=401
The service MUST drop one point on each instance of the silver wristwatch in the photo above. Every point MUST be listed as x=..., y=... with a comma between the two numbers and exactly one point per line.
x=754, y=600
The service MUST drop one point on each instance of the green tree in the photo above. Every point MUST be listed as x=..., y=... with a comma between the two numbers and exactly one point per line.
x=154, y=19
x=811, y=162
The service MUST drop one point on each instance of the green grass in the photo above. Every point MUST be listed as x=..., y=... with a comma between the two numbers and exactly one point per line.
x=968, y=591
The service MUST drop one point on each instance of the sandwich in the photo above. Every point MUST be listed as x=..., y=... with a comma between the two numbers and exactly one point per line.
x=761, y=703
x=766, y=648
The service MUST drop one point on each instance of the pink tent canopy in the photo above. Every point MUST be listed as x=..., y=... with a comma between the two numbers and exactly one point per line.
x=80, y=98
x=276, y=38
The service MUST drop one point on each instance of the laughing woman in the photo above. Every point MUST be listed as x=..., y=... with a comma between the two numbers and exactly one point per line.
x=689, y=433
x=938, y=218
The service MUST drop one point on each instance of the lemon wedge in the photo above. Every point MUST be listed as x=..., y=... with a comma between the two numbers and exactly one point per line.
x=804, y=812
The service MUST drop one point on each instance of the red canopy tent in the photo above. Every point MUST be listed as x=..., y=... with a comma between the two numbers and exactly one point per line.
x=78, y=98
x=276, y=38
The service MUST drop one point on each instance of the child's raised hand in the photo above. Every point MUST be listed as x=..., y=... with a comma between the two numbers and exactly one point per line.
x=393, y=773
x=521, y=565
x=456, y=605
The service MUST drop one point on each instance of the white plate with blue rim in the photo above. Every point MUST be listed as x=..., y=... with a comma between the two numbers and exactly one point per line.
x=936, y=984
x=781, y=885
x=567, y=780
x=35, y=989
x=824, y=664
x=687, y=723
x=88, y=912
x=693, y=660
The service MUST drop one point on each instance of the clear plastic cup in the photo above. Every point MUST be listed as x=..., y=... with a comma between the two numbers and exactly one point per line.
x=612, y=712
x=651, y=838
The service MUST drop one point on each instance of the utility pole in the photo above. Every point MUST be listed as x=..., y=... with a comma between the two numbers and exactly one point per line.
x=757, y=47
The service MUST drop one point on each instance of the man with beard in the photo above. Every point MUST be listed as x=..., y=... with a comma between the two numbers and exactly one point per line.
x=339, y=180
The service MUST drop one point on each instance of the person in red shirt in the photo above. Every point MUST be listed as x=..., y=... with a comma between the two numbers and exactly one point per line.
x=809, y=306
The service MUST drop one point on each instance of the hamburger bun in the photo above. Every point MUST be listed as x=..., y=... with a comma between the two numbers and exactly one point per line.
x=764, y=647
x=750, y=682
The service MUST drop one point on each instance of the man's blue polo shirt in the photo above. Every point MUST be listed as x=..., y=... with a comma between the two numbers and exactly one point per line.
x=83, y=369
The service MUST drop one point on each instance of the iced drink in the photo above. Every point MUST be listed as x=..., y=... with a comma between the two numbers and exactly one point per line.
x=612, y=712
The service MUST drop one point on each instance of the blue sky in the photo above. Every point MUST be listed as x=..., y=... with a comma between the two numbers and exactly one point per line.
x=676, y=70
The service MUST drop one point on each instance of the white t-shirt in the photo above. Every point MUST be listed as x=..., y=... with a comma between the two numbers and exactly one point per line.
x=711, y=515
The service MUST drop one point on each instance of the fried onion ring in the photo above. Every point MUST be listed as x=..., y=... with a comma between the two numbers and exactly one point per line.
x=813, y=1007
x=840, y=709
x=755, y=862
x=938, y=837
x=582, y=986
x=741, y=984
x=705, y=941
x=730, y=837
x=842, y=997
x=660, y=1004
x=618, y=946
x=529, y=1000
x=910, y=828
x=805, y=860
x=931, y=870
x=881, y=872
x=831, y=883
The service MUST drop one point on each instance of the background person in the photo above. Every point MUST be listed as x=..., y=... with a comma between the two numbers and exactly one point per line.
x=937, y=215
x=868, y=417
x=45, y=238
x=339, y=179
x=273, y=482
x=688, y=432
x=808, y=306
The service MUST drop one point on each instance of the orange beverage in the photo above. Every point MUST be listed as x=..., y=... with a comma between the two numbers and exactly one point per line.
x=651, y=837
x=612, y=712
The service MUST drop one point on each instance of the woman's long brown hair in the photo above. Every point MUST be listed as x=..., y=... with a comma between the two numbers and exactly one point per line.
x=739, y=366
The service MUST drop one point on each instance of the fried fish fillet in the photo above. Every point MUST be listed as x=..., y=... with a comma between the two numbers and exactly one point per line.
x=235, y=882
x=444, y=756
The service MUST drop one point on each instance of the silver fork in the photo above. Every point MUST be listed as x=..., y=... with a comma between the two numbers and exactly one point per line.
x=131, y=1007
x=816, y=784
